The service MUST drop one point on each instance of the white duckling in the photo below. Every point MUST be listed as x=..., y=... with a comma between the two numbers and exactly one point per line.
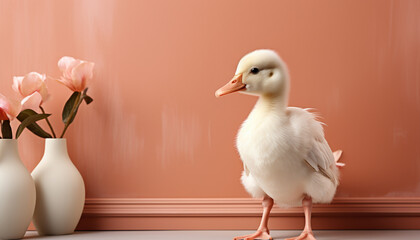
x=285, y=155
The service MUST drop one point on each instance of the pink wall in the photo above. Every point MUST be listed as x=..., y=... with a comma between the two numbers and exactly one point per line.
x=155, y=128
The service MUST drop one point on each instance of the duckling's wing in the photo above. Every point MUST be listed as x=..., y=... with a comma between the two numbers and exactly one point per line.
x=319, y=156
x=317, y=153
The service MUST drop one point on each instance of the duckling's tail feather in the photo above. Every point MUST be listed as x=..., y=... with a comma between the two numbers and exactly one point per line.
x=337, y=155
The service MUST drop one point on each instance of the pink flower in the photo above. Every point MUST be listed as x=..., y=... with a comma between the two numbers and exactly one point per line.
x=76, y=73
x=32, y=89
x=8, y=109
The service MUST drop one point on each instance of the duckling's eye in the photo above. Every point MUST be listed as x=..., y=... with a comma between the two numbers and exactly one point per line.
x=255, y=70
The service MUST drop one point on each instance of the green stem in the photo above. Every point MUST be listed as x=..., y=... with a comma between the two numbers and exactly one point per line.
x=73, y=112
x=48, y=121
x=64, y=130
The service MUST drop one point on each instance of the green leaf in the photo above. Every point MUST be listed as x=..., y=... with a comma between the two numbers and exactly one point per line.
x=71, y=107
x=28, y=121
x=6, y=130
x=87, y=99
x=34, y=127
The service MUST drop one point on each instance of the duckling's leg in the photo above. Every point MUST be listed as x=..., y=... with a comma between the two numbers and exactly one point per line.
x=262, y=232
x=307, y=233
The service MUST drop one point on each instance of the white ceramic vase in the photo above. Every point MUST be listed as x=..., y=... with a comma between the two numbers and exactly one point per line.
x=60, y=191
x=17, y=192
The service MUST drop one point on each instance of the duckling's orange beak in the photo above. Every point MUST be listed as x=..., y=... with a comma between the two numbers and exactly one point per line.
x=232, y=86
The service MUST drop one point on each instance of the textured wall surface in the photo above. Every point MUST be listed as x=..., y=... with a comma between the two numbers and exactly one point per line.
x=155, y=128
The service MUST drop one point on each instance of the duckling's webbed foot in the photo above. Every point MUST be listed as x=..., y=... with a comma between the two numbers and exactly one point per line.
x=304, y=236
x=259, y=234
x=262, y=232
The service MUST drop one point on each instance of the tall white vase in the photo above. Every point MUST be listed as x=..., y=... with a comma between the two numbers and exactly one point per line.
x=17, y=192
x=60, y=191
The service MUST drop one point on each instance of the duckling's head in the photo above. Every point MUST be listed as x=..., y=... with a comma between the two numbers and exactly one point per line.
x=262, y=73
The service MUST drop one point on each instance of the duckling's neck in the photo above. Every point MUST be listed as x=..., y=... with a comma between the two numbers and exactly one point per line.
x=271, y=104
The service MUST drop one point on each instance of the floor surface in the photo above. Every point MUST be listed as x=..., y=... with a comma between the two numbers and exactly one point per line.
x=224, y=235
